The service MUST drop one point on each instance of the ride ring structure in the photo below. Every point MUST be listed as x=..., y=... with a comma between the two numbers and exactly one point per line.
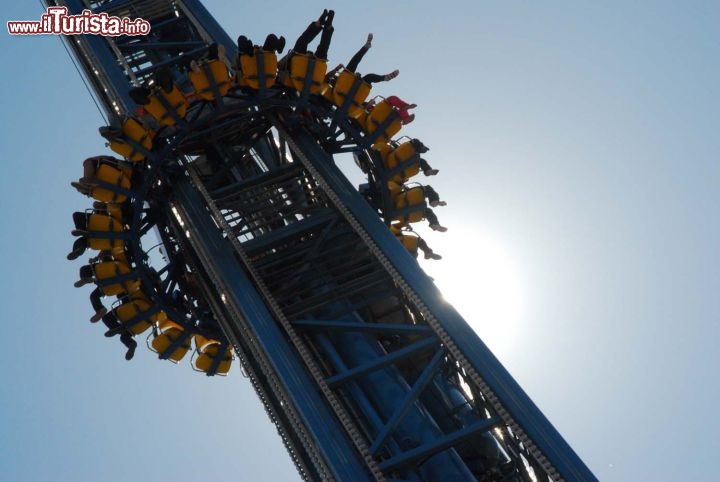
x=270, y=253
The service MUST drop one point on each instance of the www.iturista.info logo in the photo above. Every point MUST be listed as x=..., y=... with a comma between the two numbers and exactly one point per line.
x=57, y=22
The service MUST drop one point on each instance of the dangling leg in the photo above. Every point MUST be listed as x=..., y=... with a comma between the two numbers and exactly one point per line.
x=355, y=60
x=373, y=78
x=79, y=247
x=425, y=167
x=396, y=101
x=322, y=51
x=245, y=46
x=80, y=220
x=110, y=321
x=274, y=44
x=433, y=197
x=429, y=254
x=130, y=343
x=433, y=220
x=95, y=300
x=301, y=44
x=86, y=276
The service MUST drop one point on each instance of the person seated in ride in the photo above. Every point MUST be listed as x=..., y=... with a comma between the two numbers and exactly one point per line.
x=322, y=24
x=114, y=278
x=433, y=221
x=89, y=226
x=215, y=66
x=249, y=60
x=402, y=197
x=352, y=66
x=173, y=105
x=107, y=170
x=376, y=115
x=421, y=148
x=122, y=212
x=413, y=242
x=429, y=192
x=403, y=160
x=399, y=105
x=432, y=196
x=116, y=251
x=298, y=59
x=126, y=139
x=126, y=338
x=121, y=255
x=136, y=313
x=273, y=43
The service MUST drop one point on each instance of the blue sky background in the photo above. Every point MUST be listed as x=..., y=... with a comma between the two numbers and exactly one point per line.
x=578, y=148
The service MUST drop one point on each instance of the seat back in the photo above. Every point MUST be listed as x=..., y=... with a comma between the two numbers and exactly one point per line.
x=252, y=66
x=167, y=107
x=412, y=205
x=301, y=74
x=404, y=155
x=202, y=83
x=169, y=335
x=350, y=84
x=137, y=314
x=108, y=272
x=208, y=352
x=384, y=119
x=99, y=223
x=136, y=139
x=384, y=150
x=113, y=176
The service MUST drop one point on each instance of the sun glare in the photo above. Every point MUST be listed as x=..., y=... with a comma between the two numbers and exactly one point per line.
x=480, y=279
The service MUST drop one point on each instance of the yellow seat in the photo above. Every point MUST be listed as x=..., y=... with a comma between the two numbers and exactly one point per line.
x=113, y=176
x=413, y=198
x=410, y=243
x=384, y=150
x=299, y=65
x=344, y=84
x=108, y=270
x=133, y=130
x=379, y=115
x=138, y=307
x=175, y=100
x=99, y=223
x=168, y=334
x=201, y=82
x=250, y=69
x=208, y=351
x=405, y=153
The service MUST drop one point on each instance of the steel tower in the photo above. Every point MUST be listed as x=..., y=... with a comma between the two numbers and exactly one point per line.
x=366, y=372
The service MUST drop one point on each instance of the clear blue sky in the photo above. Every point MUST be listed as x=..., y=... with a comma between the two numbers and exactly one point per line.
x=577, y=143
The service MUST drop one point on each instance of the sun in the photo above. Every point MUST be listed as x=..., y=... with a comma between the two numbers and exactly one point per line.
x=483, y=283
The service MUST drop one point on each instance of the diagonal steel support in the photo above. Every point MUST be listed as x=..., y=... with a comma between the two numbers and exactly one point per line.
x=424, y=451
x=381, y=362
x=410, y=398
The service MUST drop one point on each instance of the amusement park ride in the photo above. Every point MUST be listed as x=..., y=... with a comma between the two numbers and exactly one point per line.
x=274, y=260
